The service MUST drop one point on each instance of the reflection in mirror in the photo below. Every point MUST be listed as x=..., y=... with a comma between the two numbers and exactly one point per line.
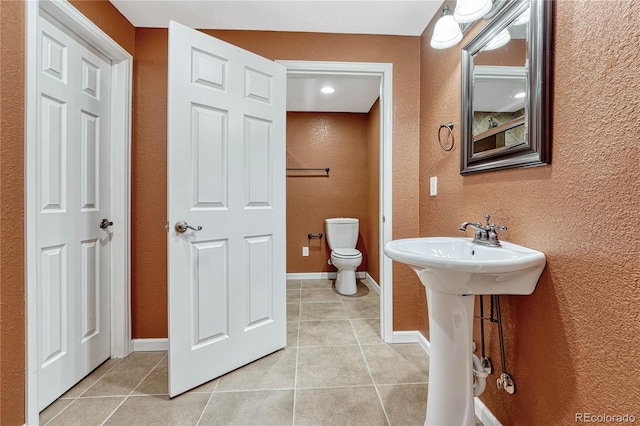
x=500, y=68
x=499, y=95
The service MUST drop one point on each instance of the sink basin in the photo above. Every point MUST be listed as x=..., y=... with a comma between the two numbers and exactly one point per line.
x=458, y=266
x=454, y=270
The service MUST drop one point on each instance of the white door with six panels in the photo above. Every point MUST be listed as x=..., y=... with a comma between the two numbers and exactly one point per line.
x=226, y=196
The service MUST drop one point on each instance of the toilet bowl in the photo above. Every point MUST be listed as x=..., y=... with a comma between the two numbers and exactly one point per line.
x=347, y=262
x=342, y=237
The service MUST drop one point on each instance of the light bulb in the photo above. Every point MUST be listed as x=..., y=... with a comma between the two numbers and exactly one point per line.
x=446, y=33
x=499, y=40
x=471, y=10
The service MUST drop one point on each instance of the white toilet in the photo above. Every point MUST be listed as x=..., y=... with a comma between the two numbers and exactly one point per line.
x=342, y=236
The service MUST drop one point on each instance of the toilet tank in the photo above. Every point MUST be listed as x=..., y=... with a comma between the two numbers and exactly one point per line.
x=342, y=232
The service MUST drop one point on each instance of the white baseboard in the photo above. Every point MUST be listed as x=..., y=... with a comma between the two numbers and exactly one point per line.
x=149, y=345
x=483, y=414
x=374, y=285
x=405, y=337
x=311, y=276
x=319, y=275
x=424, y=343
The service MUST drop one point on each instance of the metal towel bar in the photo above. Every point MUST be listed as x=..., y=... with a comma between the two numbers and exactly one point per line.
x=305, y=169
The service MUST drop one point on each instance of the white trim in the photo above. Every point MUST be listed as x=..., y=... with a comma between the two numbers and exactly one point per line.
x=121, y=100
x=413, y=336
x=320, y=275
x=374, y=285
x=311, y=275
x=30, y=134
x=483, y=413
x=386, y=197
x=122, y=65
x=424, y=344
x=405, y=337
x=500, y=72
x=150, y=345
x=385, y=71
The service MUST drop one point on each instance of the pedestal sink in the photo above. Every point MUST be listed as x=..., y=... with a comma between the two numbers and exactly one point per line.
x=454, y=270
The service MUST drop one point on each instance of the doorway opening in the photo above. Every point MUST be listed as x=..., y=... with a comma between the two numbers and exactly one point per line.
x=382, y=72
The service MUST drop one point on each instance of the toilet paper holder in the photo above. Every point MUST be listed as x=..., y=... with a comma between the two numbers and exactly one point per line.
x=310, y=236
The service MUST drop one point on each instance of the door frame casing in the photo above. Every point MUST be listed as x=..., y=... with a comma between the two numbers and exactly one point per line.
x=62, y=13
x=385, y=72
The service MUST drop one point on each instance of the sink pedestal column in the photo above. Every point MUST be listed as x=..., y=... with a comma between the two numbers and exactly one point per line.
x=450, y=397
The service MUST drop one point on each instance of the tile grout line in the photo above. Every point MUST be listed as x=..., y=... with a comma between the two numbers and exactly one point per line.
x=375, y=385
x=366, y=363
x=295, y=377
x=84, y=391
x=133, y=390
x=208, y=401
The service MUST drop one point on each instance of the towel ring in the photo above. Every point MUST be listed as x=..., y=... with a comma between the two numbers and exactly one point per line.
x=448, y=126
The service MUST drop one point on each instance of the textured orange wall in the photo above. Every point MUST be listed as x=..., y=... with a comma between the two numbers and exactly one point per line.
x=149, y=260
x=572, y=345
x=12, y=302
x=12, y=319
x=372, y=235
x=337, y=141
x=149, y=186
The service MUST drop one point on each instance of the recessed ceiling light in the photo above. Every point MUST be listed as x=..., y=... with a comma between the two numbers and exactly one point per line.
x=520, y=95
x=327, y=89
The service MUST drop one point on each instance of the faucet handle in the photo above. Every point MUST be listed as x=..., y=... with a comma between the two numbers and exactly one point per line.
x=493, y=226
x=493, y=235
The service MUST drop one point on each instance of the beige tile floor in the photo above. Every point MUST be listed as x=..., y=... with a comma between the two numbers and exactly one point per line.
x=335, y=370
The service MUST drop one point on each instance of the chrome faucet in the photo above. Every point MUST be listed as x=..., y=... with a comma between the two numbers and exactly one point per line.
x=485, y=235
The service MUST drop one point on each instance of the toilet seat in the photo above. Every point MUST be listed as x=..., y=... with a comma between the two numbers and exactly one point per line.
x=346, y=253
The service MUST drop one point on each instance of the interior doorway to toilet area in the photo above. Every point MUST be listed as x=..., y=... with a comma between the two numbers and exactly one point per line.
x=339, y=148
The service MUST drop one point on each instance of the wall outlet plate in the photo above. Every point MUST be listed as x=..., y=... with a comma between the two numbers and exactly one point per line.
x=305, y=251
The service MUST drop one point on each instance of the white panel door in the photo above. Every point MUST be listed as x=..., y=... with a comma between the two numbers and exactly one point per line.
x=73, y=178
x=226, y=167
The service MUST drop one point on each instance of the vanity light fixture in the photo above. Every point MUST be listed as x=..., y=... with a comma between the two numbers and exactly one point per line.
x=523, y=18
x=502, y=38
x=327, y=89
x=447, y=32
x=467, y=11
x=450, y=27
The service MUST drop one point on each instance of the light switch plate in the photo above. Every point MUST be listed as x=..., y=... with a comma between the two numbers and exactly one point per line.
x=433, y=186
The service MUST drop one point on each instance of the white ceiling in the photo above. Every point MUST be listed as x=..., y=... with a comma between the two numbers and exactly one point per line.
x=387, y=17
x=498, y=96
x=352, y=94
x=393, y=17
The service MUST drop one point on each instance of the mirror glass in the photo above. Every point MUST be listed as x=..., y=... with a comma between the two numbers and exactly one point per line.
x=502, y=104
